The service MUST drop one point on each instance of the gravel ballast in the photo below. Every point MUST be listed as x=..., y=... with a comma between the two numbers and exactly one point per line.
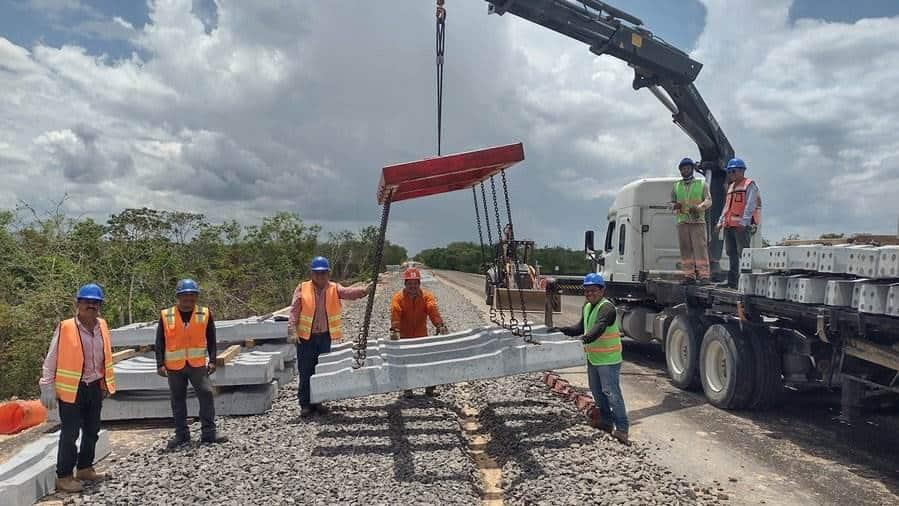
x=388, y=449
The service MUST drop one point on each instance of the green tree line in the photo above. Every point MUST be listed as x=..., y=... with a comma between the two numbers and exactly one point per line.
x=468, y=257
x=138, y=255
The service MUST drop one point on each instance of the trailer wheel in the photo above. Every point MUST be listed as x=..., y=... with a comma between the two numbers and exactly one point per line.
x=768, y=371
x=682, y=343
x=726, y=367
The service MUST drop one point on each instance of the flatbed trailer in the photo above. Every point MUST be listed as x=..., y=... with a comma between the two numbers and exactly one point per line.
x=756, y=346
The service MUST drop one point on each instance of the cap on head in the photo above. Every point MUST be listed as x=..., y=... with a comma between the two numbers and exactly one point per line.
x=411, y=273
x=90, y=291
x=594, y=279
x=735, y=164
x=187, y=286
x=320, y=264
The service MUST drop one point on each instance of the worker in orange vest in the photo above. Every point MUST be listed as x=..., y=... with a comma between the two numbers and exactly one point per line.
x=410, y=309
x=185, y=337
x=315, y=322
x=78, y=373
x=741, y=216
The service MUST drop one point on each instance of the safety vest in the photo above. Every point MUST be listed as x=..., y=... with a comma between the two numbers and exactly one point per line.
x=735, y=204
x=185, y=343
x=691, y=195
x=605, y=349
x=307, y=311
x=70, y=360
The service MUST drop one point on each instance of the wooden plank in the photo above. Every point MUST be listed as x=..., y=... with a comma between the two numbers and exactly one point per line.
x=880, y=355
x=249, y=343
x=227, y=355
x=123, y=355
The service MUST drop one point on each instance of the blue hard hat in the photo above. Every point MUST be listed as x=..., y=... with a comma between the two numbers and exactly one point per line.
x=594, y=279
x=187, y=286
x=735, y=164
x=686, y=161
x=90, y=291
x=320, y=264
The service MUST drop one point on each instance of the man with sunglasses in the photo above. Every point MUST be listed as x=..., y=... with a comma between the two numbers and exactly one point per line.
x=598, y=330
x=78, y=373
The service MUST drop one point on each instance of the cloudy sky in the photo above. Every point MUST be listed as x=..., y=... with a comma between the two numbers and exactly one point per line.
x=242, y=109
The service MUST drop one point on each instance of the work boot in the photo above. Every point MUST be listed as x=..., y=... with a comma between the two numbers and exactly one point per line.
x=214, y=439
x=320, y=409
x=178, y=441
x=89, y=474
x=621, y=436
x=431, y=391
x=306, y=411
x=408, y=394
x=68, y=485
x=599, y=424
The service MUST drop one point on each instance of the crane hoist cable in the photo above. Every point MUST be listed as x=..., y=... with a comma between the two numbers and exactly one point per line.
x=441, y=45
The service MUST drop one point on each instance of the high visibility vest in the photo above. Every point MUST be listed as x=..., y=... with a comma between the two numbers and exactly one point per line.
x=185, y=344
x=735, y=204
x=691, y=195
x=307, y=311
x=605, y=349
x=70, y=361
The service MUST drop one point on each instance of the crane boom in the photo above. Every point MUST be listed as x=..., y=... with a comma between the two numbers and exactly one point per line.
x=664, y=69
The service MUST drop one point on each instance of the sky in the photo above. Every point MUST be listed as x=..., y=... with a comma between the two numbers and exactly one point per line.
x=239, y=110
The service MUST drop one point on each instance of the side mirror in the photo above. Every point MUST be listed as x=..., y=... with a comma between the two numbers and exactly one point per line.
x=588, y=241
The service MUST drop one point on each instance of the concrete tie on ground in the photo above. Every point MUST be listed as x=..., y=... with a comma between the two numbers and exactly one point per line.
x=479, y=353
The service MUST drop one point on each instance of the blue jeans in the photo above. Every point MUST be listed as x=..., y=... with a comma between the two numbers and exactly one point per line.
x=606, y=390
x=307, y=359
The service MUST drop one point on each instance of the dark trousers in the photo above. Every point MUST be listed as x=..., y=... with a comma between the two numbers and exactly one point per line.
x=81, y=416
x=178, y=387
x=307, y=358
x=734, y=242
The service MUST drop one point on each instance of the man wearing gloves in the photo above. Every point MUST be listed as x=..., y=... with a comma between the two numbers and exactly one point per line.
x=598, y=330
x=78, y=372
x=185, y=337
x=410, y=309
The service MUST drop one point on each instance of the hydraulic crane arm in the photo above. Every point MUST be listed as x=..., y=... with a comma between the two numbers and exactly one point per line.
x=665, y=70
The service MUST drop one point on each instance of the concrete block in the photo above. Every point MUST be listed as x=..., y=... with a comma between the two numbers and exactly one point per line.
x=839, y=292
x=761, y=285
x=809, y=291
x=835, y=259
x=857, y=291
x=287, y=374
x=746, y=260
x=803, y=258
x=30, y=474
x=479, y=353
x=863, y=262
x=893, y=300
x=777, y=258
x=873, y=298
x=248, y=368
x=888, y=264
x=792, y=287
x=777, y=287
x=747, y=283
x=136, y=405
x=226, y=331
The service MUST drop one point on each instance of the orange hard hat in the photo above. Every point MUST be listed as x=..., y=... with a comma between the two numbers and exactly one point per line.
x=412, y=273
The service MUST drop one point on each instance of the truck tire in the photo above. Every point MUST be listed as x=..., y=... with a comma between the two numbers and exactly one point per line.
x=768, y=371
x=682, y=343
x=726, y=367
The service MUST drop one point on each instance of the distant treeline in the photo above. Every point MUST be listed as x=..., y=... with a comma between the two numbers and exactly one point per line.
x=137, y=256
x=467, y=257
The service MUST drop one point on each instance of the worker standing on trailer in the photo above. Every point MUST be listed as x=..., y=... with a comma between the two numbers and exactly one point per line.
x=598, y=330
x=78, y=372
x=315, y=322
x=741, y=216
x=410, y=309
x=690, y=198
x=185, y=337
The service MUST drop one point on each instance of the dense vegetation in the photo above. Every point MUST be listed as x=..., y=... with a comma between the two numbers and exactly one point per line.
x=137, y=256
x=467, y=257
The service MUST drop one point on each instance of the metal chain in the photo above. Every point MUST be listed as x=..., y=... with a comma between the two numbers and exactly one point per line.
x=513, y=322
x=477, y=217
x=525, y=327
x=441, y=42
x=493, y=311
x=361, y=344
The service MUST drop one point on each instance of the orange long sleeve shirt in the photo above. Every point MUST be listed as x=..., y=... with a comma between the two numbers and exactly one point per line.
x=409, y=315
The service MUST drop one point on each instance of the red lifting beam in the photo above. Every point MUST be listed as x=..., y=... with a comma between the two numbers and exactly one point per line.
x=447, y=173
